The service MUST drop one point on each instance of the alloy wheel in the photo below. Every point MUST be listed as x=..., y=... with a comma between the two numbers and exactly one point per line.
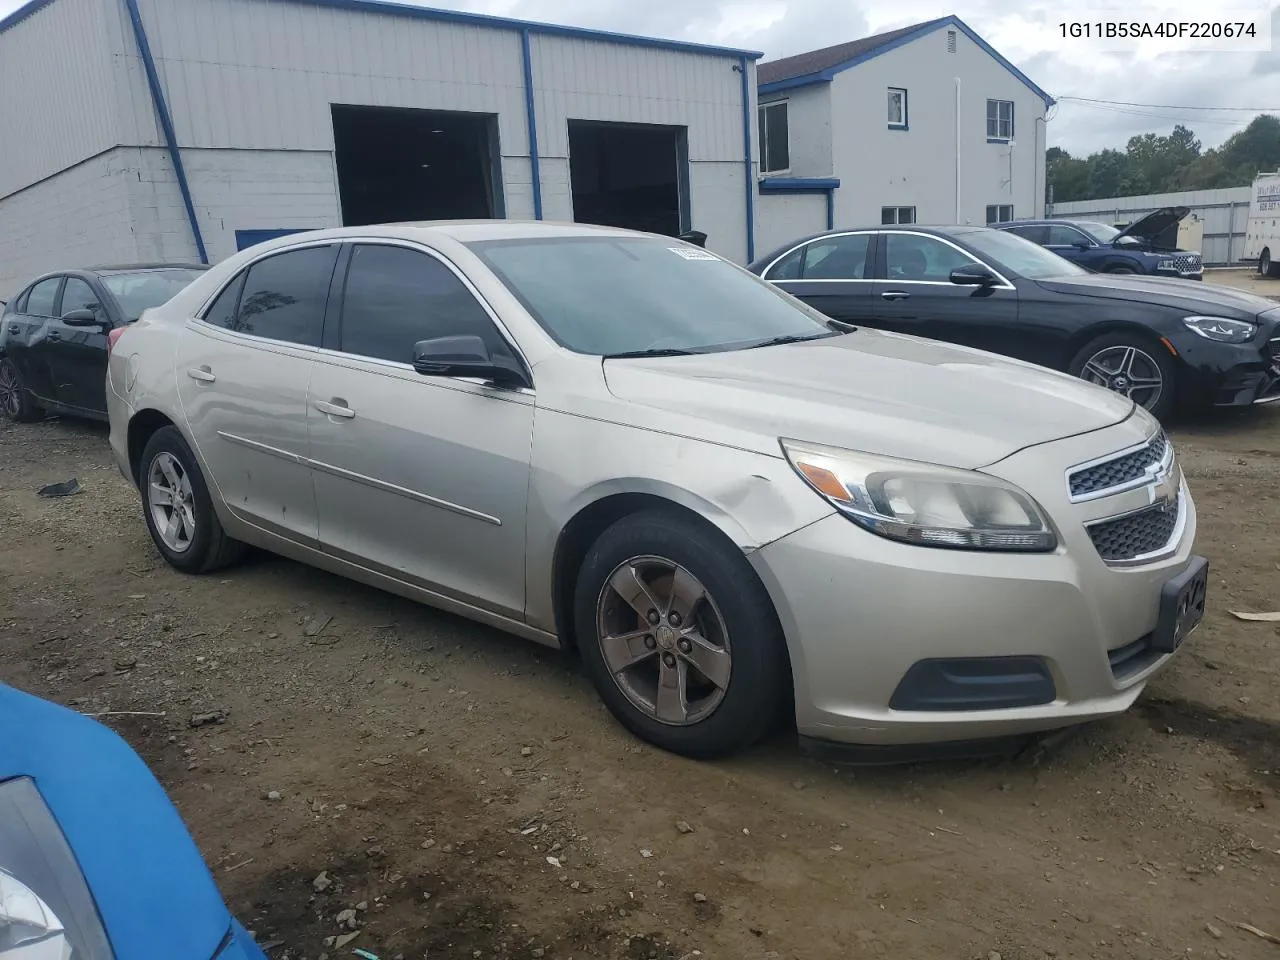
x=171, y=501
x=10, y=391
x=663, y=640
x=1127, y=370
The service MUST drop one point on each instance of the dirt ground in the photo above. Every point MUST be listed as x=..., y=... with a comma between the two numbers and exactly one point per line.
x=1246, y=279
x=469, y=797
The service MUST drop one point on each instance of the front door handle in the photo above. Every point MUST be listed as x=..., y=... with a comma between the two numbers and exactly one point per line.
x=14, y=329
x=203, y=374
x=337, y=407
x=54, y=335
x=895, y=295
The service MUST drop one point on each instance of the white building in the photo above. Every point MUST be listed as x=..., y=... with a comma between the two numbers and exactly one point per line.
x=927, y=124
x=180, y=130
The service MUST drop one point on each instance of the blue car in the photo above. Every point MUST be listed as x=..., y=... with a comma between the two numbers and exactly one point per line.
x=95, y=862
x=1147, y=246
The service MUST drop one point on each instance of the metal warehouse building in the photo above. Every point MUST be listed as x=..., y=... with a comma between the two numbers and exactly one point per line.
x=141, y=130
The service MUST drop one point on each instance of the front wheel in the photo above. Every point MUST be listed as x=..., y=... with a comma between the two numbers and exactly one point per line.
x=178, y=510
x=16, y=402
x=1122, y=271
x=1132, y=366
x=679, y=636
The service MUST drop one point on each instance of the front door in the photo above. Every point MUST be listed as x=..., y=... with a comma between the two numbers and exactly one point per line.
x=915, y=295
x=1071, y=244
x=243, y=373
x=832, y=274
x=423, y=479
x=80, y=359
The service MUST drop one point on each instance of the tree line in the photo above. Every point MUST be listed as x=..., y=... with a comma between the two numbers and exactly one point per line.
x=1151, y=163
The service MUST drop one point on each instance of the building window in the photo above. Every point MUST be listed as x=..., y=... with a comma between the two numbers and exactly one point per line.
x=999, y=212
x=897, y=108
x=897, y=214
x=1000, y=120
x=775, y=146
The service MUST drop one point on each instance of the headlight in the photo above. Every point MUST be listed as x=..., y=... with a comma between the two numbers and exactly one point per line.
x=922, y=503
x=1221, y=329
x=46, y=910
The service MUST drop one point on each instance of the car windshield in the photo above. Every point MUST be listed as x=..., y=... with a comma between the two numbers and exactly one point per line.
x=1102, y=232
x=1013, y=254
x=145, y=289
x=608, y=295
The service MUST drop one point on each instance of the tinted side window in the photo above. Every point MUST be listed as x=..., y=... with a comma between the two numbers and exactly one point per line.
x=1034, y=233
x=1062, y=236
x=284, y=296
x=788, y=268
x=914, y=257
x=222, y=312
x=42, y=296
x=837, y=258
x=395, y=297
x=78, y=295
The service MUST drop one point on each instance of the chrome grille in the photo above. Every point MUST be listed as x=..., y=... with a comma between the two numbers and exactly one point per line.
x=1190, y=263
x=1125, y=469
x=1274, y=347
x=1136, y=534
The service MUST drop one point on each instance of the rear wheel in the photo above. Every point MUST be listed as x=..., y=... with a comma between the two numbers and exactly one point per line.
x=178, y=510
x=16, y=402
x=1266, y=267
x=1132, y=366
x=679, y=636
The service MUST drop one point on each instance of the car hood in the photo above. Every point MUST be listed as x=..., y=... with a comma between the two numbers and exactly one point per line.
x=871, y=391
x=1191, y=295
x=1154, y=223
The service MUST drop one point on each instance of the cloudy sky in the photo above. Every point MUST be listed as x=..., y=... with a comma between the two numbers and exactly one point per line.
x=1213, y=93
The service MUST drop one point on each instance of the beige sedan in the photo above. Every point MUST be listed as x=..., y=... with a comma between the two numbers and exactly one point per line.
x=728, y=506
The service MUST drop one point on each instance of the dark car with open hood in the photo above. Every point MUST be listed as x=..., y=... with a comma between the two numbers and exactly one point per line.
x=1148, y=246
x=1165, y=344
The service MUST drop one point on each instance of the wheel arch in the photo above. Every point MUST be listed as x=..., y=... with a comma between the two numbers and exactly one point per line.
x=1081, y=338
x=142, y=427
x=593, y=518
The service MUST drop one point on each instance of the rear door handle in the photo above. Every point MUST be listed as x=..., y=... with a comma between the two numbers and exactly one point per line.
x=54, y=335
x=203, y=374
x=337, y=407
x=895, y=295
x=15, y=329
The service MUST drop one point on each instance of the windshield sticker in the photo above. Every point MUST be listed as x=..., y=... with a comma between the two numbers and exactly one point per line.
x=693, y=253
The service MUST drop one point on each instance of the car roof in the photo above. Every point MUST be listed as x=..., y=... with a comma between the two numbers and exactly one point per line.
x=937, y=230
x=462, y=231
x=137, y=267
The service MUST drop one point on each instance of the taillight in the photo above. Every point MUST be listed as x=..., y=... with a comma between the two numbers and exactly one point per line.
x=113, y=336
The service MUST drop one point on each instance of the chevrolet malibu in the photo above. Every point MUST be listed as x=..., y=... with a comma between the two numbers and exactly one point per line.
x=728, y=506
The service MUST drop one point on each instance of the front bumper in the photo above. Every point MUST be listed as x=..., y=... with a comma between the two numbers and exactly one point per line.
x=1229, y=374
x=861, y=612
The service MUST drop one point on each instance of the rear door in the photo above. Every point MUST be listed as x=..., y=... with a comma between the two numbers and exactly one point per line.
x=79, y=358
x=916, y=295
x=243, y=370
x=831, y=274
x=40, y=330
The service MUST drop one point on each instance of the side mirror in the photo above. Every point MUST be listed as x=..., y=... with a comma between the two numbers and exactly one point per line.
x=696, y=237
x=973, y=275
x=83, y=318
x=1081, y=245
x=1128, y=241
x=465, y=356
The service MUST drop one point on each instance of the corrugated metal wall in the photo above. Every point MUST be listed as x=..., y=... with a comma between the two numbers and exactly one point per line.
x=1225, y=214
x=57, y=107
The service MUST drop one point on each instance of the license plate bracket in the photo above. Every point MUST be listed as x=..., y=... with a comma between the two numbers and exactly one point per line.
x=1182, y=602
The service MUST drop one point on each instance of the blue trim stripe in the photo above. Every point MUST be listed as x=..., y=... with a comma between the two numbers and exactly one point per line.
x=473, y=19
x=825, y=76
x=531, y=118
x=166, y=124
x=798, y=184
x=747, y=166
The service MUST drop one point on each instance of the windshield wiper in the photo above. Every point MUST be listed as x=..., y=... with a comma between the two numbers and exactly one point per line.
x=791, y=338
x=841, y=326
x=660, y=352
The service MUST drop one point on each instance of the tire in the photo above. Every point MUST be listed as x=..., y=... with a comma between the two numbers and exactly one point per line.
x=1266, y=266
x=1122, y=270
x=1107, y=352
x=206, y=547
x=16, y=402
x=742, y=641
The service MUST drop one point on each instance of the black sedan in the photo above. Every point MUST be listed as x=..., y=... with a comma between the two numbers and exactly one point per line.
x=54, y=335
x=1166, y=344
